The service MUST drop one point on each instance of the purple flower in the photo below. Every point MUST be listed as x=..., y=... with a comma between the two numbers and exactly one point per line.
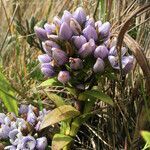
x=23, y=109
x=87, y=49
x=79, y=41
x=90, y=22
x=104, y=30
x=98, y=24
x=4, y=131
x=37, y=127
x=101, y=51
x=80, y=15
x=57, y=21
x=76, y=63
x=66, y=17
x=7, y=121
x=75, y=27
x=63, y=76
x=40, y=33
x=41, y=143
x=113, y=51
x=48, y=45
x=90, y=33
x=2, y=117
x=28, y=142
x=47, y=70
x=13, y=137
x=49, y=28
x=65, y=31
x=59, y=56
x=99, y=66
x=127, y=63
x=44, y=58
x=31, y=117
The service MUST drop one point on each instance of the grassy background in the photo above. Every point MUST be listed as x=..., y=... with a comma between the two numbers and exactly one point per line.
x=18, y=62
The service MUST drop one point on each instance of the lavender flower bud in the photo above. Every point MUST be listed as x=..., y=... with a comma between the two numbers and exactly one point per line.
x=37, y=127
x=90, y=33
x=99, y=66
x=87, y=49
x=2, y=117
x=7, y=121
x=98, y=24
x=49, y=28
x=104, y=30
x=90, y=22
x=114, y=62
x=47, y=70
x=13, y=137
x=75, y=27
x=59, y=56
x=28, y=142
x=41, y=143
x=79, y=41
x=44, y=58
x=127, y=62
x=10, y=147
x=63, y=76
x=65, y=31
x=4, y=131
x=23, y=109
x=57, y=21
x=48, y=45
x=76, y=63
x=31, y=117
x=101, y=51
x=66, y=17
x=80, y=15
x=40, y=33
x=113, y=51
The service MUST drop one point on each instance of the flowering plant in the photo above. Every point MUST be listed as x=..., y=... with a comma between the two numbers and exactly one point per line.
x=78, y=53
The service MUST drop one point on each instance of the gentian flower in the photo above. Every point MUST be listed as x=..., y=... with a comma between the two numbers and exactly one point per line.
x=65, y=31
x=40, y=33
x=41, y=143
x=87, y=49
x=101, y=51
x=90, y=33
x=104, y=30
x=63, y=76
x=28, y=142
x=76, y=63
x=79, y=41
x=44, y=58
x=99, y=66
x=59, y=56
x=80, y=15
x=47, y=70
x=49, y=28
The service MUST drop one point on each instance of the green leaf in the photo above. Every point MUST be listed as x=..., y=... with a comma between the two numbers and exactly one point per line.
x=60, y=141
x=48, y=82
x=146, y=136
x=56, y=99
x=59, y=114
x=71, y=91
x=96, y=94
x=7, y=95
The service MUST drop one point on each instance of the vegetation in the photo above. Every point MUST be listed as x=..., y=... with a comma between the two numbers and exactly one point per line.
x=112, y=111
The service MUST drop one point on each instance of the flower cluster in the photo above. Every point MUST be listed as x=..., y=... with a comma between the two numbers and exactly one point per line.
x=22, y=132
x=74, y=41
